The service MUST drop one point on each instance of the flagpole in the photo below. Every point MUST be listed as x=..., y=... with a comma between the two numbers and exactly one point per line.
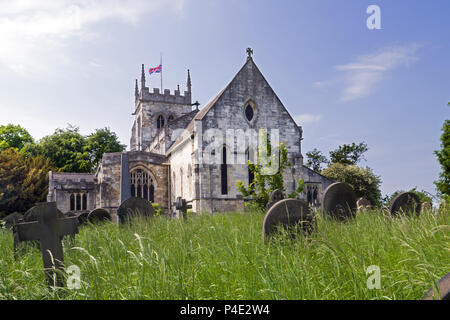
x=161, y=75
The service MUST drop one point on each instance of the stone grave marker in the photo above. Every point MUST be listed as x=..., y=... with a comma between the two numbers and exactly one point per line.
x=12, y=219
x=444, y=290
x=98, y=215
x=49, y=230
x=426, y=206
x=182, y=206
x=406, y=202
x=363, y=204
x=288, y=213
x=133, y=207
x=275, y=196
x=339, y=201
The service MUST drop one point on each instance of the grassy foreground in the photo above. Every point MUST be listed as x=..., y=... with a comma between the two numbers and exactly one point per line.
x=222, y=257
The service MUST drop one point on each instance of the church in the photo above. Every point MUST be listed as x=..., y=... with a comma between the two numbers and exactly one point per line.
x=179, y=150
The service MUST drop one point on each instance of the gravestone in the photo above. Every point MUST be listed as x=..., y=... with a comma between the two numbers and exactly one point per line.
x=12, y=219
x=82, y=218
x=339, y=201
x=49, y=230
x=133, y=207
x=288, y=213
x=275, y=196
x=182, y=206
x=426, y=206
x=405, y=202
x=444, y=290
x=98, y=215
x=363, y=204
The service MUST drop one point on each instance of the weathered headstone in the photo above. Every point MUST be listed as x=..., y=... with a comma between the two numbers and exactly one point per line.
x=405, y=202
x=12, y=219
x=49, y=230
x=275, y=196
x=426, y=206
x=443, y=293
x=288, y=213
x=98, y=215
x=133, y=207
x=182, y=206
x=339, y=201
x=363, y=204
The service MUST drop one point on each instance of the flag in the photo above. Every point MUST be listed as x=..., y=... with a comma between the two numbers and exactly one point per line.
x=157, y=69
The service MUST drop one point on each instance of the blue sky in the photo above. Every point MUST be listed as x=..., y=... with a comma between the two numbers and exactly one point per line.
x=75, y=62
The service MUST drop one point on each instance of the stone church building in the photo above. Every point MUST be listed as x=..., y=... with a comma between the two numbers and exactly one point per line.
x=170, y=140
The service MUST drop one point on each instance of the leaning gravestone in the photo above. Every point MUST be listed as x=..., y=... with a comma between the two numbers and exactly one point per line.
x=12, y=219
x=443, y=293
x=49, y=230
x=406, y=202
x=275, y=196
x=339, y=201
x=98, y=215
x=133, y=207
x=363, y=204
x=288, y=213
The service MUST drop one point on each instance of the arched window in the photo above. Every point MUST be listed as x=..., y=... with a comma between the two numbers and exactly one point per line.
x=315, y=195
x=160, y=122
x=249, y=112
x=251, y=175
x=72, y=202
x=78, y=202
x=84, y=204
x=170, y=118
x=223, y=171
x=142, y=184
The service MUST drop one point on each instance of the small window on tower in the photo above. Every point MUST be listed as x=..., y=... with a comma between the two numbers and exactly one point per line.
x=170, y=118
x=249, y=112
x=160, y=122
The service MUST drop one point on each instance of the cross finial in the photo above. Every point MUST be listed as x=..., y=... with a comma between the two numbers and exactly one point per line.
x=249, y=52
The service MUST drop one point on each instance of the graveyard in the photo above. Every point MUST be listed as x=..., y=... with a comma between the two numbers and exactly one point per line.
x=289, y=153
x=222, y=256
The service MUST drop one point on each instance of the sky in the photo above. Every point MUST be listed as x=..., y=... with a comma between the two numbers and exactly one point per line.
x=75, y=62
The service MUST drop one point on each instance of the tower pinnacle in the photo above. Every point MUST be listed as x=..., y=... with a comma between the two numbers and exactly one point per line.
x=189, y=84
x=136, y=90
x=142, y=78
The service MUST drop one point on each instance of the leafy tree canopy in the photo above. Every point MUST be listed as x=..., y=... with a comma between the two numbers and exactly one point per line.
x=363, y=181
x=315, y=160
x=23, y=181
x=348, y=154
x=100, y=142
x=443, y=156
x=14, y=136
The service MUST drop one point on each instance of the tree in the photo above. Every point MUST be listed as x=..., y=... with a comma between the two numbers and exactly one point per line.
x=443, y=155
x=66, y=148
x=14, y=136
x=363, y=181
x=315, y=160
x=348, y=154
x=100, y=142
x=23, y=181
x=263, y=184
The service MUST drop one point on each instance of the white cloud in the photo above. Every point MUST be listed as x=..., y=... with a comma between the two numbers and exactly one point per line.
x=301, y=119
x=34, y=34
x=362, y=75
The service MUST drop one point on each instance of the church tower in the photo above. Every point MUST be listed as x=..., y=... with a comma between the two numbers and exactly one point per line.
x=154, y=110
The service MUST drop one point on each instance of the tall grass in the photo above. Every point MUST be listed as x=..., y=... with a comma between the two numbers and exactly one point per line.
x=222, y=256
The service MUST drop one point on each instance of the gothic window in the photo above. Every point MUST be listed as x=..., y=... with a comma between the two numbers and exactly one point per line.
x=160, y=122
x=223, y=171
x=72, y=202
x=170, y=118
x=78, y=206
x=249, y=112
x=251, y=175
x=84, y=204
x=142, y=185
